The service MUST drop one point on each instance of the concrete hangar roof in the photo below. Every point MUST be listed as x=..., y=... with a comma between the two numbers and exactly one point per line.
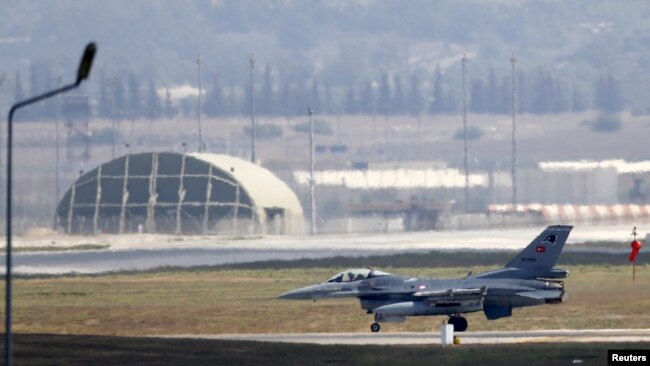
x=170, y=192
x=264, y=187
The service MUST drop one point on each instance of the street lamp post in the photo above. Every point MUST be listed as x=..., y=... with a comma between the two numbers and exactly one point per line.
x=252, y=63
x=199, y=62
x=82, y=74
x=513, y=60
x=2, y=80
x=57, y=183
x=464, y=61
x=312, y=183
x=113, y=84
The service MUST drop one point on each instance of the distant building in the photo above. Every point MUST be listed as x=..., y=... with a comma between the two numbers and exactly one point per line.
x=196, y=193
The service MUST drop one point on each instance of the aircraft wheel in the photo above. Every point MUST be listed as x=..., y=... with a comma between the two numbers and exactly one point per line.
x=375, y=327
x=459, y=323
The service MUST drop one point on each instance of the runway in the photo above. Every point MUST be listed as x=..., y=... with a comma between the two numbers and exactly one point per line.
x=146, y=251
x=413, y=338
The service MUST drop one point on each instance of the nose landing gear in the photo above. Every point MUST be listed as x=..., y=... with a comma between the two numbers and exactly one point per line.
x=375, y=327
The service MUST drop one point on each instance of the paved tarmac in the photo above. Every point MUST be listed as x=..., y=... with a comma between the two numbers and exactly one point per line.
x=141, y=252
x=410, y=338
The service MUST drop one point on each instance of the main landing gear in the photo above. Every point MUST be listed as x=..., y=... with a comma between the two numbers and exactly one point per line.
x=459, y=323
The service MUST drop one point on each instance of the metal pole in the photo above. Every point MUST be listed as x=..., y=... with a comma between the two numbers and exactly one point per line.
x=8, y=275
x=113, y=84
x=2, y=80
x=312, y=199
x=252, y=63
x=634, y=234
x=464, y=62
x=513, y=60
x=82, y=73
x=199, y=62
x=57, y=170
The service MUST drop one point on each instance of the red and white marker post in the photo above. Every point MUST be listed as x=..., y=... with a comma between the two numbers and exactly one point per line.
x=636, y=246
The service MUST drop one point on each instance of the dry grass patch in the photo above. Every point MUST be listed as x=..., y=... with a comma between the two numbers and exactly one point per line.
x=243, y=301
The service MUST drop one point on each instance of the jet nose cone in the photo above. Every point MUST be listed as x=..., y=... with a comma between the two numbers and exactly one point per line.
x=299, y=294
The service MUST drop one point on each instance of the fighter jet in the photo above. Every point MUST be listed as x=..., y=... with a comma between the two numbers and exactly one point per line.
x=527, y=280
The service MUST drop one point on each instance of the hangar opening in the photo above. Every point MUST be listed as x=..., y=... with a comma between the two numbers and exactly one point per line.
x=197, y=193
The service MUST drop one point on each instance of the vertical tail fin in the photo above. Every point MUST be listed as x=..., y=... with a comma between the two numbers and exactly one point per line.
x=542, y=253
x=538, y=258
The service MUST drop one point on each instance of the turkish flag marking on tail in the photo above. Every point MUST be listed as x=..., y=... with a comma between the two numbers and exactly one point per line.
x=541, y=249
x=636, y=246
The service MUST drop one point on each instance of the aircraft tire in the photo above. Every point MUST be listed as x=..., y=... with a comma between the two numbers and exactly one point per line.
x=459, y=323
x=375, y=327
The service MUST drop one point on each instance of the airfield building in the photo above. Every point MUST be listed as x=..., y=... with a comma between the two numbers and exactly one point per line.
x=197, y=193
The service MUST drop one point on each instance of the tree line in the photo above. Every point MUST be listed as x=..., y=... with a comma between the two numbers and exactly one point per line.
x=536, y=92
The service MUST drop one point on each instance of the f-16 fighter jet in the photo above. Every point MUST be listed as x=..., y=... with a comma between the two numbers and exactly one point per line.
x=529, y=279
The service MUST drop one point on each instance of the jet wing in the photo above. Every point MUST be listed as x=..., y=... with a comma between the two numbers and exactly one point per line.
x=461, y=295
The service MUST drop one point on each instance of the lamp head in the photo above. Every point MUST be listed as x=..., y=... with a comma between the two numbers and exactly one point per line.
x=86, y=62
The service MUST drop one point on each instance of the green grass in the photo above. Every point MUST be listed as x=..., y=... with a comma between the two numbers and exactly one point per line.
x=216, y=301
x=40, y=349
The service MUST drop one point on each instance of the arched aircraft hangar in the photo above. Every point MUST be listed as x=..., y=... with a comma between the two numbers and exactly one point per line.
x=163, y=192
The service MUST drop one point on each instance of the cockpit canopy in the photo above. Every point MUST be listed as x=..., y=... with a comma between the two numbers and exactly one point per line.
x=356, y=275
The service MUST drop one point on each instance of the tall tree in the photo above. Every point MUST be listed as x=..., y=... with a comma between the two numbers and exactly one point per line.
x=399, y=101
x=520, y=85
x=608, y=94
x=367, y=103
x=503, y=98
x=135, y=102
x=578, y=103
x=170, y=111
x=50, y=105
x=215, y=104
x=384, y=99
x=450, y=101
x=477, y=97
x=299, y=100
x=104, y=107
x=416, y=102
x=542, y=99
x=351, y=104
x=232, y=102
x=314, y=98
x=267, y=99
x=559, y=101
x=119, y=98
x=327, y=104
x=492, y=94
x=285, y=101
x=154, y=105
x=19, y=92
x=437, y=100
